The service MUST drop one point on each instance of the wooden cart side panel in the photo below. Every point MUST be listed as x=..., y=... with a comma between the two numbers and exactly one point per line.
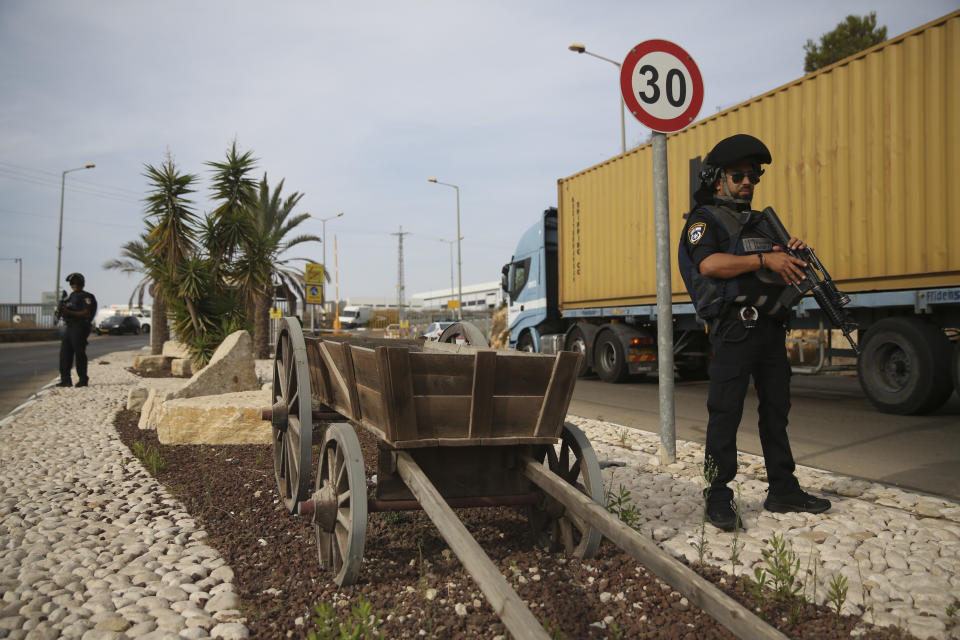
x=441, y=374
x=349, y=375
x=365, y=366
x=557, y=398
x=449, y=416
x=522, y=375
x=481, y=406
x=334, y=389
x=397, y=394
x=320, y=382
x=371, y=408
x=515, y=416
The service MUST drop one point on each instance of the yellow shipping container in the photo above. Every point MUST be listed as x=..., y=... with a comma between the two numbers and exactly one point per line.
x=866, y=158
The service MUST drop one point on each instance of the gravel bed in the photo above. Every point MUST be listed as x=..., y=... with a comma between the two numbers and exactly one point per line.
x=416, y=586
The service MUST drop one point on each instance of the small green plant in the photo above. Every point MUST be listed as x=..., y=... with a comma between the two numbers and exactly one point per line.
x=782, y=568
x=616, y=633
x=396, y=517
x=813, y=581
x=837, y=594
x=149, y=456
x=619, y=504
x=758, y=586
x=555, y=632
x=709, y=472
x=735, y=548
x=622, y=436
x=259, y=458
x=361, y=625
x=952, y=610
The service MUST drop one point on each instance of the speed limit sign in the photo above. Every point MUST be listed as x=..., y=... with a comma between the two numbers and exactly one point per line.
x=661, y=85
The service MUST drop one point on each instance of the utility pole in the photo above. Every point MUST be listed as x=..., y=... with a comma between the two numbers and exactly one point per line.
x=400, y=235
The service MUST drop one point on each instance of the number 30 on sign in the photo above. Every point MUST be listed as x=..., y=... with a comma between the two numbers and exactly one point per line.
x=661, y=85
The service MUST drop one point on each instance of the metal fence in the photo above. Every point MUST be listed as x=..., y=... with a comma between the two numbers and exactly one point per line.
x=26, y=316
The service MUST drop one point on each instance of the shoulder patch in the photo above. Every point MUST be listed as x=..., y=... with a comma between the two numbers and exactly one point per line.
x=695, y=232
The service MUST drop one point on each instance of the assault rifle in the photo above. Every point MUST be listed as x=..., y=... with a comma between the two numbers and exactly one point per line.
x=817, y=280
x=59, y=310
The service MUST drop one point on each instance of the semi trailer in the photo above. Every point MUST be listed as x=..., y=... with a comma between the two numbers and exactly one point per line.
x=865, y=157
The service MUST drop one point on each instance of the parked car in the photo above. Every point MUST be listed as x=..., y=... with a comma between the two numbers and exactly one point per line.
x=434, y=329
x=119, y=324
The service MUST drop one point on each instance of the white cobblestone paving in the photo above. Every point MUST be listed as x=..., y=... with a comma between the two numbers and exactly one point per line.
x=91, y=546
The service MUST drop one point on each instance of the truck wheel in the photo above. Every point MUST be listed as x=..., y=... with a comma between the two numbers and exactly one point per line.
x=577, y=342
x=608, y=358
x=905, y=366
x=525, y=343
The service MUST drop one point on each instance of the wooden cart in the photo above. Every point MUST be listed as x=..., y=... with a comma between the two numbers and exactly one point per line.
x=458, y=425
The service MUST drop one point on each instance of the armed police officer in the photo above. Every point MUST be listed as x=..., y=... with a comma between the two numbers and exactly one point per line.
x=740, y=283
x=77, y=311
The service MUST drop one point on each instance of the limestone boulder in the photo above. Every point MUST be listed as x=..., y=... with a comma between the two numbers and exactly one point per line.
x=231, y=369
x=158, y=391
x=181, y=367
x=174, y=349
x=136, y=397
x=230, y=418
x=152, y=364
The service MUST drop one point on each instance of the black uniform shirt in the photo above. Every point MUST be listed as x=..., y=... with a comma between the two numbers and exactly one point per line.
x=79, y=301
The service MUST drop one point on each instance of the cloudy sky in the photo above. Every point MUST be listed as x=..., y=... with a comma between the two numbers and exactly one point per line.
x=355, y=105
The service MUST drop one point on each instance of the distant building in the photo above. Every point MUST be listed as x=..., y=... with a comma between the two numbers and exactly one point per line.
x=486, y=295
x=378, y=302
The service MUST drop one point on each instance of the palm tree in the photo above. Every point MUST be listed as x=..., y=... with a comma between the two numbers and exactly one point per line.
x=134, y=259
x=228, y=224
x=260, y=264
x=170, y=242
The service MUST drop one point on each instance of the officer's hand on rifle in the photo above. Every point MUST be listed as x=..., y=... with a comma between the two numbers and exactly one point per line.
x=789, y=267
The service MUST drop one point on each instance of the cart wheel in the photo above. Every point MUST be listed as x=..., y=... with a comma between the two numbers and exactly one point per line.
x=341, y=504
x=577, y=464
x=292, y=416
x=464, y=332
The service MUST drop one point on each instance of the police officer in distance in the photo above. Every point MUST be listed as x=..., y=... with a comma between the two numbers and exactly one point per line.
x=78, y=311
x=740, y=282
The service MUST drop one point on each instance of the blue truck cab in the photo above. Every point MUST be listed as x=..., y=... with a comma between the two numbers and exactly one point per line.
x=530, y=282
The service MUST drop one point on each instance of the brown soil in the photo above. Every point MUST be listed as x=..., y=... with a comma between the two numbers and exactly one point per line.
x=231, y=491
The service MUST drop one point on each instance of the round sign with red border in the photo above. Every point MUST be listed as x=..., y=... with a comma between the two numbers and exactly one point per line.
x=661, y=85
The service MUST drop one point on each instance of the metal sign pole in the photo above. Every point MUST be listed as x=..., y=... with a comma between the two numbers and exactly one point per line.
x=663, y=88
x=661, y=212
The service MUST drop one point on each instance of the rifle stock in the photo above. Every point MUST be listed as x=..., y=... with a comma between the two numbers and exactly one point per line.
x=817, y=280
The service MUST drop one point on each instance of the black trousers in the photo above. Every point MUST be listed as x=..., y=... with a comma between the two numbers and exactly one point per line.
x=738, y=355
x=73, y=346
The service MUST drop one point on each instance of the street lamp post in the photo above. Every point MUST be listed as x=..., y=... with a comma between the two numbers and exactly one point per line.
x=459, y=258
x=324, y=223
x=63, y=181
x=450, y=242
x=579, y=48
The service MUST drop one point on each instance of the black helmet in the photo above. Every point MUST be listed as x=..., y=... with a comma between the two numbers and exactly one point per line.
x=726, y=152
x=76, y=278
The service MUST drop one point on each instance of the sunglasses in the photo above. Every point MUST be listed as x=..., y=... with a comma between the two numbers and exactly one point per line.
x=738, y=176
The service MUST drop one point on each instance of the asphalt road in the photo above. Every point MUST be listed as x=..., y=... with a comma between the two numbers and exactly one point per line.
x=832, y=426
x=26, y=366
